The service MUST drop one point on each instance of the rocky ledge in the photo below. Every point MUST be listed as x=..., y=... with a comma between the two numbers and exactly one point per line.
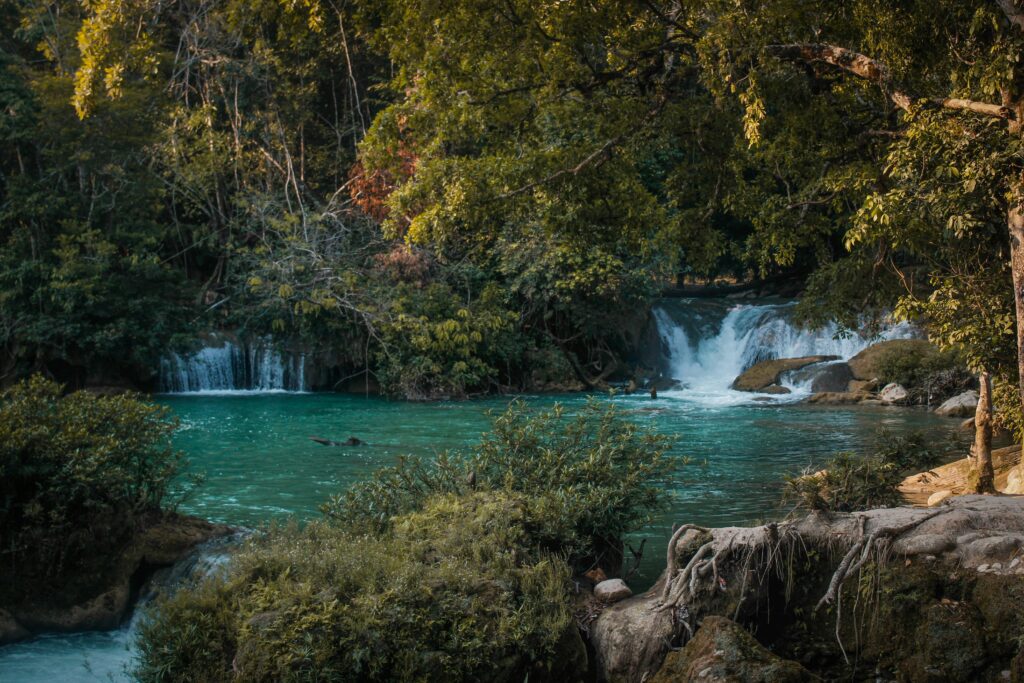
x=161, y=542
x=909, y=594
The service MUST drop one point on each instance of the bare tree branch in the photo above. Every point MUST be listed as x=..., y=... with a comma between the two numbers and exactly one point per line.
x=875, y=71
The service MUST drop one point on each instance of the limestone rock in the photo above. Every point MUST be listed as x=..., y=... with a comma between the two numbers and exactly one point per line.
x=924, y=544
x=861, y=385
x=837, y=398
x=766, y=373
x=775, y=389
x=722, y=651
x=630, y=640
x=991, y=549
x=832, y=377
x=893, y=393
x=938, y=497
x=612, y=590
x=865, y=365
x=962, y=405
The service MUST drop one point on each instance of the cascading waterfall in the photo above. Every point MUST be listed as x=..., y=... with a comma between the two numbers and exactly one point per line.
x=227, y=366
x=748, y=334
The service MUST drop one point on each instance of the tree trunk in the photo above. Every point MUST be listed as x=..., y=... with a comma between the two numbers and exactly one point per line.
x=1015, y=223
x=981, y=452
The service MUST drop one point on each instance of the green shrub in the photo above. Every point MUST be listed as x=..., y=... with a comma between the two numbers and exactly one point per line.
x=929, y=377
x=457, y=591
x=76, y=472
x=852, y=482
x=594, y=474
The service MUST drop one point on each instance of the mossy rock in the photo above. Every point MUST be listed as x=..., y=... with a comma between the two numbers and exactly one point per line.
x=763, y=375
x=866, y=364
x=722, y=651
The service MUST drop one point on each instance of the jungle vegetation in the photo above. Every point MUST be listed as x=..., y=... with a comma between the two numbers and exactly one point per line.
x=462, y=196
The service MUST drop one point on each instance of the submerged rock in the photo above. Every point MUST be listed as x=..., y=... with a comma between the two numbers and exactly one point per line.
x=722, y=651
x=962, y=405
x=766, y=373
x=838, y=398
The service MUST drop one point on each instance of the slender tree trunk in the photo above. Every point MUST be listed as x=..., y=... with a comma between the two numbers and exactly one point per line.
x=1015, y=223
x=981, y=452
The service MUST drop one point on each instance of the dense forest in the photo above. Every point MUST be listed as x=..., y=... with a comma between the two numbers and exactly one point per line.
x=812, y=211
x=462, y=197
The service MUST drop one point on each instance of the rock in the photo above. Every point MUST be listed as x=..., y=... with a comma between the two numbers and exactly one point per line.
x=630, y=640
x=775, y=389
x=722, y=651
x=948, y=645
x=865, y=365
x=834, y=377
x=102, y=613
x=836, y=398
x=962, y=405
x=989, y=550
x=938, y=497
x=893, y=393
x=766, y=373
x=967, y=425
x=612, y=590
x=10, y=630
x=924, y=544
x=861, y=385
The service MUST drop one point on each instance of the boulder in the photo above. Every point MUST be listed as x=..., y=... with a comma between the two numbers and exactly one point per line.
x=766, y=373
x=893, y=393
x=938, y=497
x=962, y=405
x=10, y=630
x=838, y=398
x=722, y=651
x=833, y=377
x=630, y=638
x=865, y=365
x=862, y=385
x=776, y=389
x=612, y=590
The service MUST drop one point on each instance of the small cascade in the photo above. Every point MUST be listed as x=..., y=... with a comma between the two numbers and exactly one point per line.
x=229, y=366
x=745, y=335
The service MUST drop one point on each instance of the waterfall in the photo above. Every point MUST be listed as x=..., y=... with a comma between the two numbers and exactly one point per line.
x=226, y=365
x=707, y=363
x=106, y=656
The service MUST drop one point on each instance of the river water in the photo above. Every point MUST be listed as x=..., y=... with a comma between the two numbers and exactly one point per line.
x=731, y=450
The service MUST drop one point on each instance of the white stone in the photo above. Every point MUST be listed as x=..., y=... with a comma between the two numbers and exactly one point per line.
x=938, y=497
x=612, y=590
x=961, y=405
x=982, y=567
x=893, y=393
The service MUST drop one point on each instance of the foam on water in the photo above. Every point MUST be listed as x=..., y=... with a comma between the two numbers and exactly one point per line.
x=747, y=335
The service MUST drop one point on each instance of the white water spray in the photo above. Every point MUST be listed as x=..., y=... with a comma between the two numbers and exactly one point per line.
x=225, y=366
x=747, y=335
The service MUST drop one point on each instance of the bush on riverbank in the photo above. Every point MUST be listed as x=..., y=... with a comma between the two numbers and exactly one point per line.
x=929, y=375
x=77, y=472
x=851, y=482
x=457, y=569
x=596, y=472
x=458, y=591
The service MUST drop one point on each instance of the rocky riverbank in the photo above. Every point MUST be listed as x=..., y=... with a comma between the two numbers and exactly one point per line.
x=908, y=594
x=102, y=601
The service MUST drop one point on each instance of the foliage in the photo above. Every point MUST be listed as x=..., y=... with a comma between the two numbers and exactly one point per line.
x=76, y=473
x=594, y=477
x=850, y=482
x=456, y=591
x=929, y=377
